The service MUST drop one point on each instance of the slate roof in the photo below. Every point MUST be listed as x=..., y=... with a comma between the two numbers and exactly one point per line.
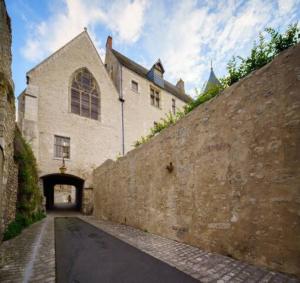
x=212, y=81
x=142, y=71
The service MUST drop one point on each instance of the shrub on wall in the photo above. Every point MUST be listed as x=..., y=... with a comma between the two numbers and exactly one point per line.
x=29, y=200
x=170, y=118
x=261, y=54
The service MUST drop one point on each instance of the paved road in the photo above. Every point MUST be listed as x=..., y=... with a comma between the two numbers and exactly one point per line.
x=87, y=254
x=31, y=256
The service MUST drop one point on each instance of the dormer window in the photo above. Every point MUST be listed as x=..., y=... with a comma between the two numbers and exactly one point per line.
x=158, y=70
x=134, y=86
x=156, y=74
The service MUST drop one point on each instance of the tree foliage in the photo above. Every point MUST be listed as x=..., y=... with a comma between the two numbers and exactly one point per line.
x=261, y=54
x=29, y=194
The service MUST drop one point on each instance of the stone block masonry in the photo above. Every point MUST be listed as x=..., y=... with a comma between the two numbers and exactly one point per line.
x=235, y=184
x=8, y=168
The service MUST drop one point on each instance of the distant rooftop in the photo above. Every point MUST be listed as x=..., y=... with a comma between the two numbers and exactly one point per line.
x=212, y=80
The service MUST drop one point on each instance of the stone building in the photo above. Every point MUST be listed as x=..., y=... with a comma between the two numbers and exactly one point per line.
x=8, y=168
x=144, y=94
x=78, y=111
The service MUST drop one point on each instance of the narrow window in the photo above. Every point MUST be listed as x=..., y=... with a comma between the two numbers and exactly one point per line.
x=157, y=99
x=134, y=86
x=85, y=94
x=111, y=71
x=152, y=96
x=61, y=147
x=173, y=106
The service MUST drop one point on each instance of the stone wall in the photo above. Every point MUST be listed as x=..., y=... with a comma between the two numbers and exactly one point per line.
x=87, y=201
x=8, y=168
x=234, y=187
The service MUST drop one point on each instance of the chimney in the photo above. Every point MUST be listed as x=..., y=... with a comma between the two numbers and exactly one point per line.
x=180, y=85
x=109, y=42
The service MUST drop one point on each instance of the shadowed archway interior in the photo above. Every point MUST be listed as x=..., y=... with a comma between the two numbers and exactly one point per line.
x=49, y=182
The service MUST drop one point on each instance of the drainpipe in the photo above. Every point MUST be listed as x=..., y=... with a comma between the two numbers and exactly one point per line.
x=122, y=100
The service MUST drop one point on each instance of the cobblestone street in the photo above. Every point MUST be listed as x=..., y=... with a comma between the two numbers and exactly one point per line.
x=30, y=257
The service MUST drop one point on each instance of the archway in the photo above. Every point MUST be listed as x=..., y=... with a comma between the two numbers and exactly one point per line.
x=51, y=180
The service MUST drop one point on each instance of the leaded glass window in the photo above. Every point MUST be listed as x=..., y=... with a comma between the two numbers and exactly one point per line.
x=155, y=97
x=61, y=147
x=85, y=94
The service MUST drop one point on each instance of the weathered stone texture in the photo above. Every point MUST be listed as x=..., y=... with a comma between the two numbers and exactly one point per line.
x=88, y=201
x=8, y=169
x=5, y=43
x=235, y=184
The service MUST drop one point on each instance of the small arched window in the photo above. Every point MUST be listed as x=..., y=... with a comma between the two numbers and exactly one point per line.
x=85, y=94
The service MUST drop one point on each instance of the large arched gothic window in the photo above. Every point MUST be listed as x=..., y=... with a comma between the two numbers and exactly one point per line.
x=85, y=94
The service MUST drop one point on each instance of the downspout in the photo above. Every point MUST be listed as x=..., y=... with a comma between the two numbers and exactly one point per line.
x=122, y=100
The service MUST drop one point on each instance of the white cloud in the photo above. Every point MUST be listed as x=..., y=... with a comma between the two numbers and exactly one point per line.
x=186, y=35
x=286, y=6
x=125, y=19
x=190, y=34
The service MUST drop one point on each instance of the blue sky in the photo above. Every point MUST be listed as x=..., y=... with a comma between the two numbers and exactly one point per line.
x=185, y=34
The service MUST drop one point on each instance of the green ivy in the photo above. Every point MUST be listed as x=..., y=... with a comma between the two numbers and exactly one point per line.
x=29, y=197
x=203, y=97
x=21, y=221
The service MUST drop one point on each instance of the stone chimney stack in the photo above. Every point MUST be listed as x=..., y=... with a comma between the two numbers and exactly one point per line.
x=109, y=42
x=180, y=85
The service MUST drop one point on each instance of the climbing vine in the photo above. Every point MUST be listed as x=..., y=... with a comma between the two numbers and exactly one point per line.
x=29, y=198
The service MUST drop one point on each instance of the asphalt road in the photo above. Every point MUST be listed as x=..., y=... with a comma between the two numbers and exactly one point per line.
x=87, y=254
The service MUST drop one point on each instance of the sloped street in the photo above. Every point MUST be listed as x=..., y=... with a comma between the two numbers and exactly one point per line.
x=121, y=254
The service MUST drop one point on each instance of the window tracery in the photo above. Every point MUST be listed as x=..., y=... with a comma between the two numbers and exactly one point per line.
x=85, y=94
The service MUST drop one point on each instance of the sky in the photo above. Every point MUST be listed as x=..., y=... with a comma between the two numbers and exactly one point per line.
x=186, y=35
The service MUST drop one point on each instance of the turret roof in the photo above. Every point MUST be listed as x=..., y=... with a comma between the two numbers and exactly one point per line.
x=212, y=80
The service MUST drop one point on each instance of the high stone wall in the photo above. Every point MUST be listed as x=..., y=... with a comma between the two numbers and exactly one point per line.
x=235, y=186
x=8, y=168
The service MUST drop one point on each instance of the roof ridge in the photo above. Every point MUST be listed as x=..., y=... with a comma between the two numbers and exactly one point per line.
x=142, y=71
x=56, y=52
x=114, y=50
x=147, y=70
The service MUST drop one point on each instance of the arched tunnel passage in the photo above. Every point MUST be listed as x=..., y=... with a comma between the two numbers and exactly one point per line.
x=50, y=181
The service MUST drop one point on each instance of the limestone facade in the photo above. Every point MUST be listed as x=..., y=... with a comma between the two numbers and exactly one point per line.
x=139, y=114
x=234, y=187
x=45, y=111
